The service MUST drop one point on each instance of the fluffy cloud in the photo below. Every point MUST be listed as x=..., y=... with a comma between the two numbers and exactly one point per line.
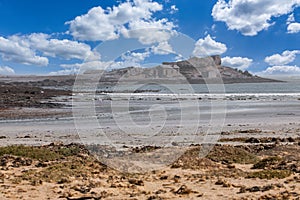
x=285, y=58
x=237, y=62
x=20, y=52
x=293, y=27
x=174, y=9
x=101, y=25
x=163, y=48
x=281, y=70
x=149, y=32
x=208, y=46
x=65, y=72
x=128, y=59
x=87, y=65
x=66, y=49
x=250, y=17
x=6, y=70
x=280, y=63
x=290, y=19
x=135, y=57
x=24, y=48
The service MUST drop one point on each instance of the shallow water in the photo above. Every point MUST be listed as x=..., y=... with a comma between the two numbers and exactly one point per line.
x=239, y=88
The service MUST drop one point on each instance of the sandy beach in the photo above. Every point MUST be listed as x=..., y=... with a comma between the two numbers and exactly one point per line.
x=68, y=172
x=61, y=157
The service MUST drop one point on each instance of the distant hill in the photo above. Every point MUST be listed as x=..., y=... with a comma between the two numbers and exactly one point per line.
x=195, y=70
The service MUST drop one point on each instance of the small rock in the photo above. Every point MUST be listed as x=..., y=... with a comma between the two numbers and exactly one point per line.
x=18, y=162
x=154, y=198
x=41, y=164
x=242, y=190
x=37, y=182
x=163, y=177
x=176, y=178
x=201, y=180
x=254, y=189
x=160, y=191
x=267, y=188
x=183, y=190
x=82, y=189
x=291, y=139
x=230, y=166
x=223, y=183
x=200, y=195
x=252, y=140
x=174, y=144
x=226, y=184
x=136, y=182
x=63, y=180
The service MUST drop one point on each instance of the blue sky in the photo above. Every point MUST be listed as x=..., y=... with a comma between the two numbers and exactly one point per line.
x=59, y=37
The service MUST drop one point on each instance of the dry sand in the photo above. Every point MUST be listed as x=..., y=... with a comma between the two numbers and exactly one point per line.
x=226, y=173
x=256, y=156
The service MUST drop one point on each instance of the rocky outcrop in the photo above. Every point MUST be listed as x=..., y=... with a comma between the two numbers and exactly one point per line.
x=217, y=60
x=199, y=70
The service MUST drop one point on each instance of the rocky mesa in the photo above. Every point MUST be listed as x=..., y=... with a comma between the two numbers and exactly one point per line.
x=194, y=70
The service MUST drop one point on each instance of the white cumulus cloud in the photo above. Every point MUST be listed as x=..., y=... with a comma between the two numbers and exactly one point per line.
x=237, y=62
x=282, y=59
x=5, y=70
x=20, y=52
x=131, y=59
x=87, y=65
x=293, y=27
x=65, y=72
x=50, y=47
x=290, y=19
x=66, y=49
x=163, y=48
x=208, y=46
x=135, y=57
x=149, y=32
x=25, y=49
x=107, y=24
x=251, y=16
x=281, y=70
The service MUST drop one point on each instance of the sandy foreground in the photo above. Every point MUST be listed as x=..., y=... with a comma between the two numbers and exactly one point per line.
x=256, y=155
x=69, y=172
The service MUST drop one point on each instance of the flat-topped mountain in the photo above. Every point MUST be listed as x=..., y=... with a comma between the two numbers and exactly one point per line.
x=201, y=69
x=195, y=70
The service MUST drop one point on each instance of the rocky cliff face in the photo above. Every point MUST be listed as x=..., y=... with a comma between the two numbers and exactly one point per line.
x=195, y=70
x=217, y=60
x=199, y=70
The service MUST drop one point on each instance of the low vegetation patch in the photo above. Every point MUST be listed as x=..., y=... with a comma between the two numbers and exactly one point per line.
x=267, y=162
x=270, y=174
x=44, y=153
x=57, y=173
x=192, y=160
x=230, y=154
